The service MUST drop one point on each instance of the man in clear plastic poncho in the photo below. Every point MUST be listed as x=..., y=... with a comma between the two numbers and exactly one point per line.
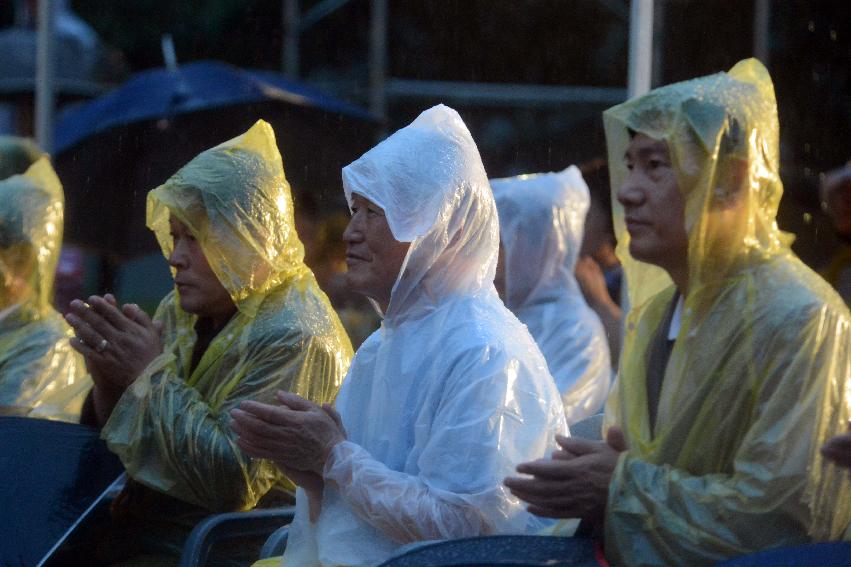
x=446, y=396
x=541, y=220
x=247, y=319
x=40, y=374
x=736, y=363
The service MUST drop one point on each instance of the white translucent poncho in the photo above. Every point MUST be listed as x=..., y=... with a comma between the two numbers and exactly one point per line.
x=451, y=393
x=541, y=224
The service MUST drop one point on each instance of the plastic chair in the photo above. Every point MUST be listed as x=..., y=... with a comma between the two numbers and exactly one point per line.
x=221, y=527
x=589, y=428
x=526, y=551
x=829, y=554
x=276, y=544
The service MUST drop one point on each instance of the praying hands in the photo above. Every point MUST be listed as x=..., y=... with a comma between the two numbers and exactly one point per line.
x=297, y=435
x=117, y=343
x=574, y=483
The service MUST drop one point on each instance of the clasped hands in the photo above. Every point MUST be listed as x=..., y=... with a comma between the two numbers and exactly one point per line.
x=574, y=482
x=117, y=343
x=297, y=435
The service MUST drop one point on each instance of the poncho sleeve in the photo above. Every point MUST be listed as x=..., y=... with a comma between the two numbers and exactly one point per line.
x=173, y=440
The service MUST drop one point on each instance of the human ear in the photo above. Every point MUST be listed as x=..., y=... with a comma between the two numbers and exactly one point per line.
x=731, y=182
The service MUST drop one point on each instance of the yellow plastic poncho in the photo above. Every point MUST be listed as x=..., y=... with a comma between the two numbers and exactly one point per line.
x=760, y=373
x=171, y=427
x=40, y=374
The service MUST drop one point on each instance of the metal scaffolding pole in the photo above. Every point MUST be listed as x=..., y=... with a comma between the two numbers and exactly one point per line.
x=640, y=47
x=502, y=94
x=378, y=58
x=45, y=66
x=290, y=56
x=761, y=30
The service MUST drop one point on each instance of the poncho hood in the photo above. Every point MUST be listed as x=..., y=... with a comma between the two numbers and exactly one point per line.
x=236, y=201
x=31, y=222
x=722, y=133
x=541, y=224
x=429, y=179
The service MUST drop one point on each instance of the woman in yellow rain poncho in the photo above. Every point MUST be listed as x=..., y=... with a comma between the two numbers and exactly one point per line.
x=760, y=372
x=40, y=374
x=170, y=426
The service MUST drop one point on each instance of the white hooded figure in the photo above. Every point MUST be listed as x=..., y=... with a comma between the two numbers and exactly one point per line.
x=451, y=393
x=542, y=221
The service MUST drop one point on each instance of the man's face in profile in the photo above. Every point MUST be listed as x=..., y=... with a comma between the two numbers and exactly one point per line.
x=198, y=288
x=373, y=256
x=654, y=207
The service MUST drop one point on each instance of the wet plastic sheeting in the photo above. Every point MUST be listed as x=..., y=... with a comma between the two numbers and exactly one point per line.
x=50, y=474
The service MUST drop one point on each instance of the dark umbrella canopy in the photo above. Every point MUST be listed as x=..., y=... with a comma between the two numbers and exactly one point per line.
x=163, y=93
x=113, y=150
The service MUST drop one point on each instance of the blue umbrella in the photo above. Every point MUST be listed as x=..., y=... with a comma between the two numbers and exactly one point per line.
x=159, y=94
x=111, y=151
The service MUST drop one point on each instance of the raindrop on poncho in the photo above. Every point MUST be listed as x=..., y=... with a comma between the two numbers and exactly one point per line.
x=171, y=427
x=760, y=374
x=541, y=224
x=451, y=393
x=40, y=374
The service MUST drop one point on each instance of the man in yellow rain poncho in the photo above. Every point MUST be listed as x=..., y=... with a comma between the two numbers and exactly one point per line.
x=40, y=374
x=246, y=319
x=736, y=363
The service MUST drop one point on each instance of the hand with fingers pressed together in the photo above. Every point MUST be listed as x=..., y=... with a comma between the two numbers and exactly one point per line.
x=574, y=483
x=298, y=435
x=118, y=343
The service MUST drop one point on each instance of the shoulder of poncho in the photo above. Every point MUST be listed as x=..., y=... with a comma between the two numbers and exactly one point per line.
x=571, y=313
x=46, y=326
x=49, y=333
x=794, y=293
x=297, y=309
x=480, y=326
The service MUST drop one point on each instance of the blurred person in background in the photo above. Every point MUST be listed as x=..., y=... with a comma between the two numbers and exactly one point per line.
x=541, y=221
x=40, y=374
x=735, y=368
x=444, y=398
x=245, y=320
x=598, y=270
x=599, y=239
x=835, y=193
